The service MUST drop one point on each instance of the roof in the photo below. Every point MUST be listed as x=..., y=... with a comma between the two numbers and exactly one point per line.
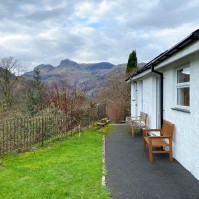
x=168, y=53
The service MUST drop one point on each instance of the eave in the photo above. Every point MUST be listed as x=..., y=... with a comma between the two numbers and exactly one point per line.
x=168, y=53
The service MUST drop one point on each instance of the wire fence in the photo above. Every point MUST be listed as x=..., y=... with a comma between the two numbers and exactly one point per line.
x=22, y=133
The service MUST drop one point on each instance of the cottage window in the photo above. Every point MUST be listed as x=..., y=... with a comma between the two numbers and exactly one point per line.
x=183, y=87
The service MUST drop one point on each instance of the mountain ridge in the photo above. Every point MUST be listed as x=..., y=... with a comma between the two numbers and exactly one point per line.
x=90, y=75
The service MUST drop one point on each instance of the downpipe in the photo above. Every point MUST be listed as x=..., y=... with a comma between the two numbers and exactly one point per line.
x=161, y=92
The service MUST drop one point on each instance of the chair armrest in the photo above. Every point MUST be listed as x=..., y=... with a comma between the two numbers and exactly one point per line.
x=136, y=120
x=147, y=130
x=134, y=117
x=159, y=137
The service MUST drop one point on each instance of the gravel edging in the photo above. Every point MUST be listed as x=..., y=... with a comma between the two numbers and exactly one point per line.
x=103, y=163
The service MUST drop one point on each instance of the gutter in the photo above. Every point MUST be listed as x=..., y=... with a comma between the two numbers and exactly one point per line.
x=194, y=36
x=168, y=53
x=161, y=92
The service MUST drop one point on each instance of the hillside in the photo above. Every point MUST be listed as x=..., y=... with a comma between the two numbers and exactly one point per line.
x=88, y=76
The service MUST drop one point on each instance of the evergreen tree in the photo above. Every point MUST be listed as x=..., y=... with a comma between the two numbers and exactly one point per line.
x=35, y=94
x=132, y=62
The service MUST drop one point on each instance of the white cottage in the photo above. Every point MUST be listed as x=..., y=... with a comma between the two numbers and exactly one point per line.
x=168, y=88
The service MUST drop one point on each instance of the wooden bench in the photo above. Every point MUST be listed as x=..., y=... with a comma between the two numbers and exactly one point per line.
x=103, y=122
x=138, y=123
x=163, y=141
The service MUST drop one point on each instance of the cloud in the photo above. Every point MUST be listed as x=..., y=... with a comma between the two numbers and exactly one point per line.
x=46, y=31
x=45, y=15
x=166, y=14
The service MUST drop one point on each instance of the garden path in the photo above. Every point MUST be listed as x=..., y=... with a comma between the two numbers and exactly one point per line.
x=130, y=175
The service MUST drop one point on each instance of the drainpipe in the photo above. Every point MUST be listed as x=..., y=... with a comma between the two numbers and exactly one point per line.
x=161, y=92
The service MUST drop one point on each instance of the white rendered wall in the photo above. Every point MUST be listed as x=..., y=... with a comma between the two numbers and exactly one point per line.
x=195, y=112
x=186, y=135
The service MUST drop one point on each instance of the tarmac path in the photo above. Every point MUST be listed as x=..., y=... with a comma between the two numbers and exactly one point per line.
x=130, y=175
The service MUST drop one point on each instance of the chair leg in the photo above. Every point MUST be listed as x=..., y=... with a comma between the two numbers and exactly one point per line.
x=170, y=156
x=170, y=150
x=150, y=153
x=129, y=129
x=144, y=144
x=132, y=131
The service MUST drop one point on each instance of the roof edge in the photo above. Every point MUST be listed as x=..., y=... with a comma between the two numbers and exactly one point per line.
x=166, y=54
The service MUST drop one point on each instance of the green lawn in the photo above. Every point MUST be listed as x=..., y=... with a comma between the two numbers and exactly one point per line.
x=71, y=168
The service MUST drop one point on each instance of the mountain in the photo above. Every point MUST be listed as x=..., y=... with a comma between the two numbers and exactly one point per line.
x=45, y=68
x=88, y=76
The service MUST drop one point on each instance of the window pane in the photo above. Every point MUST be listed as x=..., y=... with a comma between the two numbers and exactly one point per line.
x=183, y=75
x=183, y=96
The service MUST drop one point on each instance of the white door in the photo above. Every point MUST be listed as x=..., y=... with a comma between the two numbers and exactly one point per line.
x=141, y=95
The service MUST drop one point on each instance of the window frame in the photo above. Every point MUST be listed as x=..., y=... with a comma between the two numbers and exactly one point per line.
x=182, y=85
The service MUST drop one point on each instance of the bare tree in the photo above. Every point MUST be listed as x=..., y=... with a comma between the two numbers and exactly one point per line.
x=115, y=93
x=65, y=97
x=9, y=69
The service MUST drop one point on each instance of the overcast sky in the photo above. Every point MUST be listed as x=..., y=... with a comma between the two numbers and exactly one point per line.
x=47, y=31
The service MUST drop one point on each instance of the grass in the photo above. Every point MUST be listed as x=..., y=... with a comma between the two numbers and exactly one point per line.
x=70, y=168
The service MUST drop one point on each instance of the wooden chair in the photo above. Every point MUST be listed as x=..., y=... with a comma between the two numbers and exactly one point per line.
x=163, y=141
x=138, y=123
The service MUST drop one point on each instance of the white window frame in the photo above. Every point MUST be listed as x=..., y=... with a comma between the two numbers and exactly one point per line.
x=182, y=85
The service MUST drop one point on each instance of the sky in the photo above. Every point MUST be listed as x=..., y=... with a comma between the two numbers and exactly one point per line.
x=89, y=31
